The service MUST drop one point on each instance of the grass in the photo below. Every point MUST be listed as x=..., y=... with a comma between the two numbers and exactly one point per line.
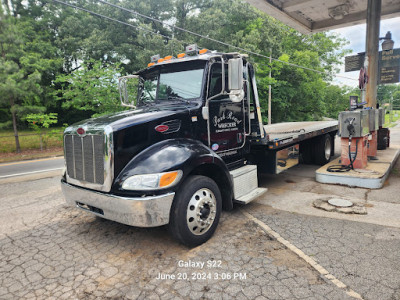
x=30, y=145
x=28, y=140
x=31, y=154
x=394, y=119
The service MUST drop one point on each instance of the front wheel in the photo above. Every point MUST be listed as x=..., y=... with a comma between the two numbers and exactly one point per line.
x=195, y=211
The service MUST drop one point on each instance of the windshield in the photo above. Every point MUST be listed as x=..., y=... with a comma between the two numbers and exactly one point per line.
x=181, y=85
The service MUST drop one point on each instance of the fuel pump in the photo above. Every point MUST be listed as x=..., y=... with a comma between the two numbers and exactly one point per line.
x=354, y=131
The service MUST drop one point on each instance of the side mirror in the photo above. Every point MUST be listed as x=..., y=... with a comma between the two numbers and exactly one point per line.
x=128, y=90
x=235, y=79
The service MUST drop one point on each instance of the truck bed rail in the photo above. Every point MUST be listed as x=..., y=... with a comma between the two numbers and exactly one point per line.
x=283, y=134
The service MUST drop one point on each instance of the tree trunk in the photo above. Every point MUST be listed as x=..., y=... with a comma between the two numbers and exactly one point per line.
x=14, y=119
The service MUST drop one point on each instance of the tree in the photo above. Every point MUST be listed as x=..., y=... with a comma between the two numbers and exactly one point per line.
x=93, y=87
x=21, y=68
x=86, y=42
x=386, y=92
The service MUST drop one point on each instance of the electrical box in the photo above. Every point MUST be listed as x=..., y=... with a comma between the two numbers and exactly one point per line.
x=381, y=118
x=359, y=119
x=373, y=119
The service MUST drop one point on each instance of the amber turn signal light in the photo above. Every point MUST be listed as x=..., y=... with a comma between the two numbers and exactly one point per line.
x=168, y=178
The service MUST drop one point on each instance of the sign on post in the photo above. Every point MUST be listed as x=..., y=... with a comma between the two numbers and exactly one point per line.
x=354, y=62
x=389, y=65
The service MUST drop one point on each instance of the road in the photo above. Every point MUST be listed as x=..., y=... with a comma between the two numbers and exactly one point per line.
x=31, y=167
x=279, y=247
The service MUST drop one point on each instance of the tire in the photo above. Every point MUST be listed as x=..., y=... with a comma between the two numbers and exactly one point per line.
x=195, y=211
x=323, y=150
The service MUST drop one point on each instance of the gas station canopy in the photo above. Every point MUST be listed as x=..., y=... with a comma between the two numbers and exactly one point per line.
x=309, y=16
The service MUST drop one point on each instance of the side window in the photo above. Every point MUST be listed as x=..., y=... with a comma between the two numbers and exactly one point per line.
x=149, y=89
x=215, y=83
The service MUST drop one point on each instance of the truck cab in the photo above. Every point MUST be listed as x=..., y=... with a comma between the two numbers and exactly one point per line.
x=181, y=154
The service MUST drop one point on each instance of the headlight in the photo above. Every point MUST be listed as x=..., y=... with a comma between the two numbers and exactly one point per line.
x=152, y=181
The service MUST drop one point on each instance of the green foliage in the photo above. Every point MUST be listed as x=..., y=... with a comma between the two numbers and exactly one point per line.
x=50, y=51
x=40, y=121
x=93, y=87
x=26, y=63
x=388, y=92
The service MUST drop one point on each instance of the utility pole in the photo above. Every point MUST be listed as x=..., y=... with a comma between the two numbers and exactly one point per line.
x=269, y=87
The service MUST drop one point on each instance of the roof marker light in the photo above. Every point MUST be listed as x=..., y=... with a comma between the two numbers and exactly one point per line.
x=150, y=64
x=160, y=60
x=168, y=57
x=181, y=55
x=202, y=51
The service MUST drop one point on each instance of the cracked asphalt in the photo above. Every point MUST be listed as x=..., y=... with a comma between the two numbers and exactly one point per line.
x=49, y=250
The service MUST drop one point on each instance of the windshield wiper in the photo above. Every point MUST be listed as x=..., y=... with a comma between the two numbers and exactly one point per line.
x=178, y=98
x=146, y=103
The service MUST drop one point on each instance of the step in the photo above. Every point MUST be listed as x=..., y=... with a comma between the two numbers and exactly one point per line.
x=254, y=194
x=244, y=180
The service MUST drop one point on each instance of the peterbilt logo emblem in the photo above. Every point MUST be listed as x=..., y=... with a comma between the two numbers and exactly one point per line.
x=80, y=131
x=161, y=128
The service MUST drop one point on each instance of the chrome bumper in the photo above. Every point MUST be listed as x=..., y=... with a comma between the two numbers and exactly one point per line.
x=141, y=212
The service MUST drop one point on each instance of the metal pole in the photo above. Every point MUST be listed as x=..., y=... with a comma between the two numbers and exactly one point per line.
x=269, y=88
x=391, y=110
x=372, y=48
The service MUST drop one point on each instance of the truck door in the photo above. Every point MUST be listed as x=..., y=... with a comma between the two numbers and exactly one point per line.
x=227, y=122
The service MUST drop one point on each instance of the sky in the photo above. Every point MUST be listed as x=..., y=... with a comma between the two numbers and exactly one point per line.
x=356, y=36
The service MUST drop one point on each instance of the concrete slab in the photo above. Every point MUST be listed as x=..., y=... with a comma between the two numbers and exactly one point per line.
x=373, y=177
x=379, y=213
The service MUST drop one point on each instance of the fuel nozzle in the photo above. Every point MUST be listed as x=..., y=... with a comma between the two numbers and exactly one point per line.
x=350, y=128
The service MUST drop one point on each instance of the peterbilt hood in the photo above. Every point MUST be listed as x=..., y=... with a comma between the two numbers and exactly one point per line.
x=104, y=145
x=124, y=119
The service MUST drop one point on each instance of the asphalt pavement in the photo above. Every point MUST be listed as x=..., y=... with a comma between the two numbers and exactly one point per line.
x=278, y=247
x=28, y=167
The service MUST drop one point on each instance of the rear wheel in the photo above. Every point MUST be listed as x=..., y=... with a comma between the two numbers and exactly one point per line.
x=195, y=211
x=323, y=150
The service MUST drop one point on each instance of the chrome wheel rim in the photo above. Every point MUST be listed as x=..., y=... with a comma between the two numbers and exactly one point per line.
x=328, y=149
x=201, y=211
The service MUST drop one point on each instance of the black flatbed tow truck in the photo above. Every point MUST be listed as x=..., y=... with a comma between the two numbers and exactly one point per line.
x=192, y=145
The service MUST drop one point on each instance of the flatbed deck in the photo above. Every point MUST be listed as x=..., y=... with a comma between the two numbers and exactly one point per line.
x=285, y=134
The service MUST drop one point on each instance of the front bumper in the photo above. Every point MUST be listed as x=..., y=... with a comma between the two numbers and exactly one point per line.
x=141, y=211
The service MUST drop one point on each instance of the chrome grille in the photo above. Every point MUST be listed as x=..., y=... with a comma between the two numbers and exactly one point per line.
x=85, y=157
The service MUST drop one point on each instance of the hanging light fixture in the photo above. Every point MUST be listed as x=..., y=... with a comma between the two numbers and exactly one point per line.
x=388, y=43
